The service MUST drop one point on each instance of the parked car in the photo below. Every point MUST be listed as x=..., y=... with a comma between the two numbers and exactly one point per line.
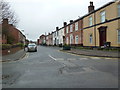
x=32, y=47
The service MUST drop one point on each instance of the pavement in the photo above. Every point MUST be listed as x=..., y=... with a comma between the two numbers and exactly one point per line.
x=13, y=57
x=95, y=53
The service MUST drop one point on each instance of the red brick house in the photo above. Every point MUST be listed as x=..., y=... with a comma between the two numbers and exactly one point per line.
x=73, y=32
x=42, y=39
x=50, y=39
x=9, y=31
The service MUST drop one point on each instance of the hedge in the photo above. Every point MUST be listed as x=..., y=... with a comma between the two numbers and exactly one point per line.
x=8, y=46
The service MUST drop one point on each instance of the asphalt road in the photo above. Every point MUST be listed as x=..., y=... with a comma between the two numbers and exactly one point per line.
x=50, y=68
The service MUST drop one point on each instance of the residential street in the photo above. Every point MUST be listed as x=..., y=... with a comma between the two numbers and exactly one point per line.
x=51, y=68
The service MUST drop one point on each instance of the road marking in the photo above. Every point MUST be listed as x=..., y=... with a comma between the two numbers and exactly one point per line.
x=83, y=58
x=95, y=57
x=52, y=57
x=26, y=56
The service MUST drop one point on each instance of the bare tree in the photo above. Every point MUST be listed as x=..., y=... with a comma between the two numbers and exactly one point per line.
x=7, y=12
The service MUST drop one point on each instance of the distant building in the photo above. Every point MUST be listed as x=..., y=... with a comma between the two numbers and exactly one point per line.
x=42, y=39
x=55, y=36
x=38, y=41
x=61, y=36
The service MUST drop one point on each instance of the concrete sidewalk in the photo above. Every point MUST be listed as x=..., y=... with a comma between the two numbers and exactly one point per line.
x=13, y=57
x=95, y=53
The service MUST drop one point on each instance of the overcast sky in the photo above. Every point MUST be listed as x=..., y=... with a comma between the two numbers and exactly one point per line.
x=40, y=16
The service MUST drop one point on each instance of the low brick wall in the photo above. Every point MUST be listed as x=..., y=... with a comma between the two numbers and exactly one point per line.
x=11, y=51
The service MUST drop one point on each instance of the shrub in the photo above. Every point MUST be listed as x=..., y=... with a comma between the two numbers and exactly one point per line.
x=6, y=46
x=20, y=44
x=60, y=45
x=66, y=47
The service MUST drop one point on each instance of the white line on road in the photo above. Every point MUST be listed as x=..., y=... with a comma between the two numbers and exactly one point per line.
x=52, y=57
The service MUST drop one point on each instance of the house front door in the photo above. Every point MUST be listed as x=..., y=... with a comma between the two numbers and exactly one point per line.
x=102, y=35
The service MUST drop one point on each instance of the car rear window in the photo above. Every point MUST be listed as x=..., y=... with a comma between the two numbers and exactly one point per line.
x=31, y=45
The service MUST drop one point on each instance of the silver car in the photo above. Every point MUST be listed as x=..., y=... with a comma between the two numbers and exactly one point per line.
x=32, y=47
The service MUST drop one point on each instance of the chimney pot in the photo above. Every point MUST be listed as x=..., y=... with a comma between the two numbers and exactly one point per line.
x=91, y=3
x=91, y=7
x=65, y=23
x=71, y=21
x=5, y=21
x=57, y=28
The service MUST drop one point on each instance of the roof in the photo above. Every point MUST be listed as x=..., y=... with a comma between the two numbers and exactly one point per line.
x=109, y=3
x=90, y=13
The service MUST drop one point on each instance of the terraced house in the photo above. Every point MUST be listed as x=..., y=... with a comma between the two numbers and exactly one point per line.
x=102, y=25
x=10, y=34
x=74, y=32
x=98, y=28
x=55, y=36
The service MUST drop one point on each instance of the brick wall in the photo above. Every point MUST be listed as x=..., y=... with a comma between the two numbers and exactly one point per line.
x=12, y=50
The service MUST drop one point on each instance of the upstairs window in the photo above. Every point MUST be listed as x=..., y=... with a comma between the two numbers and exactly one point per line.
x=102, y=16
x=67, y=41
x=118, y=10
x=76, y=26
x=57, y=33
x=90, y=21
x=71, y=39
x=66, y=29
x=71, y=28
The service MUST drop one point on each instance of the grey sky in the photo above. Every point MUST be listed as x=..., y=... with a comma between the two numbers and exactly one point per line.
x=40, y=16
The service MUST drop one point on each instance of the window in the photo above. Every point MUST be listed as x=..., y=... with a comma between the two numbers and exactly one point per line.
x=57, y=33
x=119, y=36
x=76, y=39
x=71, y=39
x=66, y=29
x=91, y=38
x=118, y=10
x=76, y=26
x=102, y=16
x=70, y=28
x=90, y=21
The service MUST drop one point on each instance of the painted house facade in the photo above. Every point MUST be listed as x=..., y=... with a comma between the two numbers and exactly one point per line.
x=55, y=36
x=50, y=39
x=61, y=36
x=102, y=25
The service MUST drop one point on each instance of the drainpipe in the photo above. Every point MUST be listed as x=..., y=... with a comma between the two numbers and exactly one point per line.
x=95, y=27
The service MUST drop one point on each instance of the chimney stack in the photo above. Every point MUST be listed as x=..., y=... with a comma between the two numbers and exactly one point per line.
x=57, y=28
x=71, y=21
x=91, y=7
x=5, y=21
x=65, y=23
